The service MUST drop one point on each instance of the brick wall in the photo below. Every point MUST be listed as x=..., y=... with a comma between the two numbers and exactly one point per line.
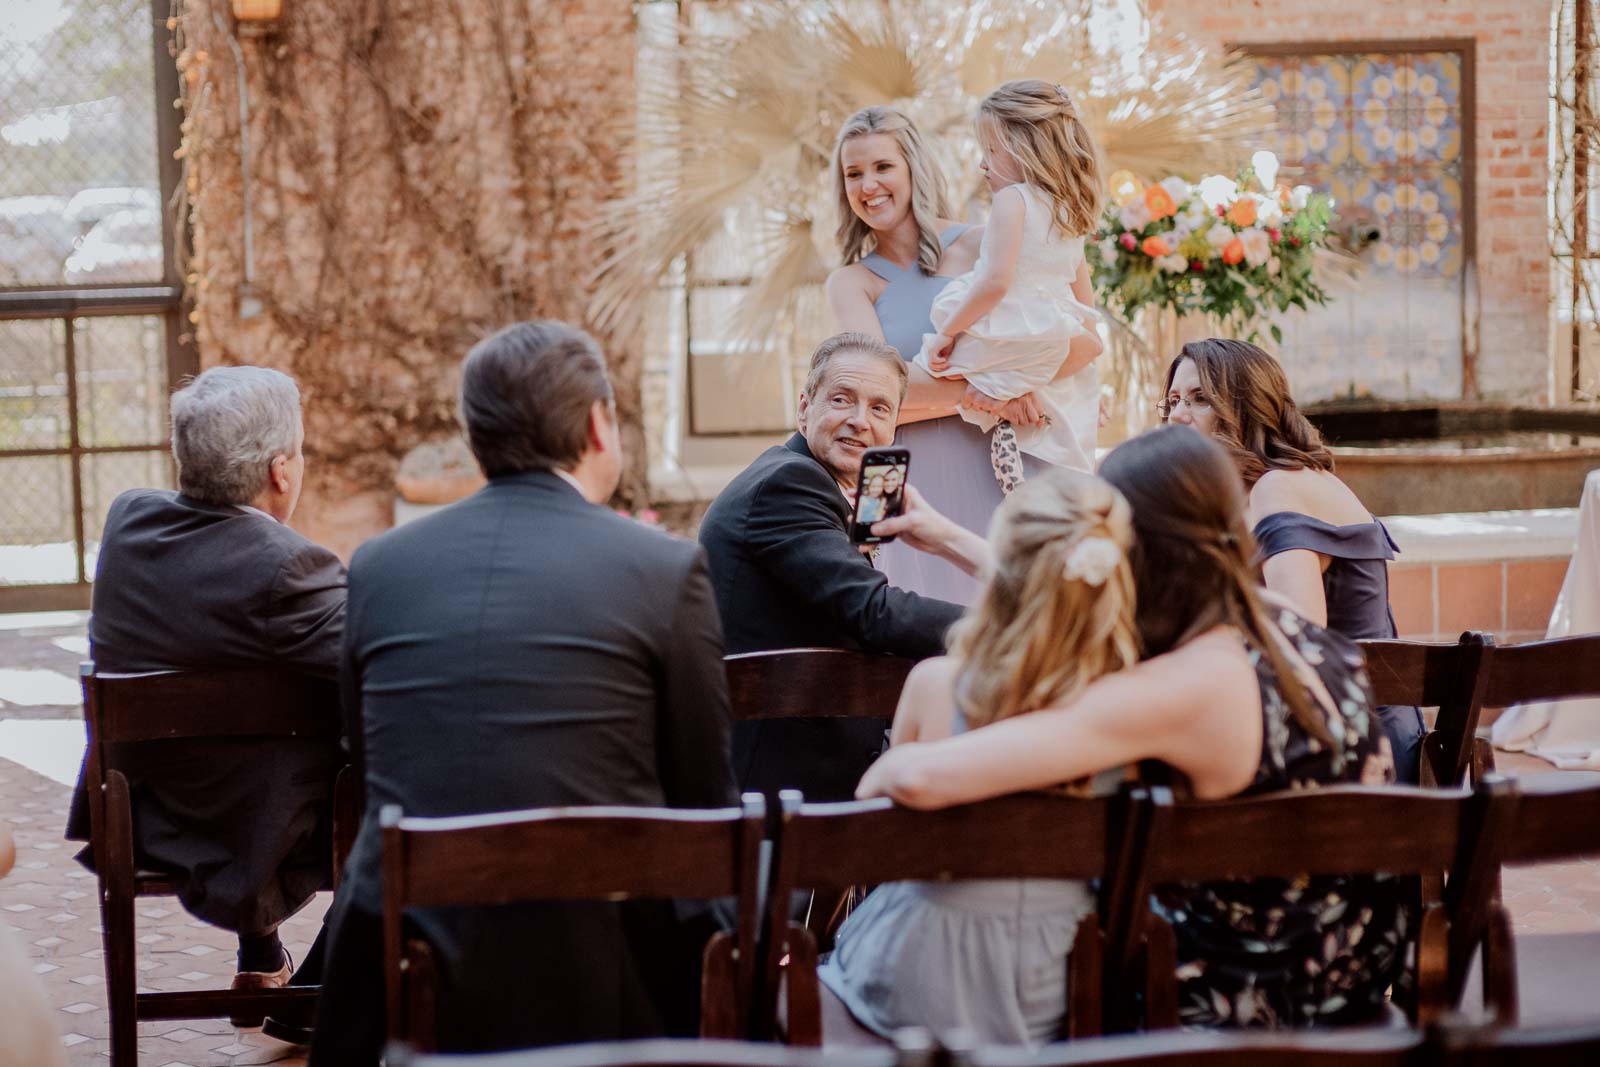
x=1512, y=97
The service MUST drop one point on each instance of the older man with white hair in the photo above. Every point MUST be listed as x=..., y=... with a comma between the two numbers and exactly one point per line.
x=210, y=578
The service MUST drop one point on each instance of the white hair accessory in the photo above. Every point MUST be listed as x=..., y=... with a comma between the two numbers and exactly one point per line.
x=1092, y=560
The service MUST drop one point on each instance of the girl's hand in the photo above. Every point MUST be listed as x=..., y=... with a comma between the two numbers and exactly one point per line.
x=977, y=400
x=938, y=346
x=891, y=774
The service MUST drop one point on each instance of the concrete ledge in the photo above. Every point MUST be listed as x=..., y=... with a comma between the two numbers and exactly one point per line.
x=1539, y=533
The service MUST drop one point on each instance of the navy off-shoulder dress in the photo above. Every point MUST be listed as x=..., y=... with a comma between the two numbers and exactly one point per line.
x=1356, y=586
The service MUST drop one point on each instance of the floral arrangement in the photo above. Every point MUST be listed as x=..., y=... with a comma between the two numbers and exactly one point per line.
x=1233, y=249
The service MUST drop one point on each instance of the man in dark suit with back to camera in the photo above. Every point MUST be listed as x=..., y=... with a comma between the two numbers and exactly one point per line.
x=211, y=578
x=788, y=576
x=528, y=648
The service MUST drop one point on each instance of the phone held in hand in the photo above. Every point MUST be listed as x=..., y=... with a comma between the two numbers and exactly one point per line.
x=880, y=492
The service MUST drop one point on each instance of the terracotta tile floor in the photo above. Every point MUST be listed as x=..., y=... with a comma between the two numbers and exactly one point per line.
x=48, y=902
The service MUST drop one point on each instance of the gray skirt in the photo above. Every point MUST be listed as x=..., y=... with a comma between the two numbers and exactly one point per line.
x=985, y=956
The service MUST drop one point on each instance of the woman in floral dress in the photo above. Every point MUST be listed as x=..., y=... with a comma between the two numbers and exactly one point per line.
x=1237, y=695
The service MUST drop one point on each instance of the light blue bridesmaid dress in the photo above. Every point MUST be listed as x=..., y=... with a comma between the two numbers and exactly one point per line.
x=949, y=456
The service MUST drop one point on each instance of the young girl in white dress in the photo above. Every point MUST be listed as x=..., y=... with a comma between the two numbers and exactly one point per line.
x=1007, y=326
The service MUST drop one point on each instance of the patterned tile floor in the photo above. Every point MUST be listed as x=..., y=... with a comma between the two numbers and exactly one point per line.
x=48, y=902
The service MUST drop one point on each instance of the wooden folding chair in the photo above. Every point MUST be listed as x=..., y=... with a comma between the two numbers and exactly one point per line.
x=1348, y=830
x=180, y=705
x=1449, y=677
x=1548, y=818
x=912, y=1048
x=817, y=683
x=600, y=853
x=1449, y=1044
x=809, y=683
x=829, y=846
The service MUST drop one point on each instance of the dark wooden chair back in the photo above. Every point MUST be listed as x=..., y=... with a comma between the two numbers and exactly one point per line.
x=1543, y=670
x=601, y=853
x=834, y=846
x=794, y=683
x=1331, y=831
x=1450, y=1044
x=181, y=705
x=912, y=1048
x=1448, y=676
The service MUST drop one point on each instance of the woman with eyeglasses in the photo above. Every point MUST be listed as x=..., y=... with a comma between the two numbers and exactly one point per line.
x=1319, y=546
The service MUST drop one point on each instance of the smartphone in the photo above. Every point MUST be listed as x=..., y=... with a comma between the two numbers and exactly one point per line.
x=880, y=491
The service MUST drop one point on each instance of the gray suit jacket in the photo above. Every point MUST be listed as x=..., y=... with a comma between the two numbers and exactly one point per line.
x=185, y=585
x=524, y=648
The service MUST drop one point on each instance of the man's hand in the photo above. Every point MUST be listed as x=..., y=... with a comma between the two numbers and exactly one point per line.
x=926, y=530
x=1021, y=411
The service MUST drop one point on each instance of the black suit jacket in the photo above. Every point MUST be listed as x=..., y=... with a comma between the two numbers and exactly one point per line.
x=787, y=576
x=520, y=649
x=185, y=585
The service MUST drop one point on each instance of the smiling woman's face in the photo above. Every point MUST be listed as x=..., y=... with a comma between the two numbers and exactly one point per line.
x=877, y=179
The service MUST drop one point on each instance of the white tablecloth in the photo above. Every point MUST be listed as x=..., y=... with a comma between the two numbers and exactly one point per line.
x=1566, y=732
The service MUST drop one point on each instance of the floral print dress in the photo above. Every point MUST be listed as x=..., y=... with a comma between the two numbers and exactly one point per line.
x=1310, y=951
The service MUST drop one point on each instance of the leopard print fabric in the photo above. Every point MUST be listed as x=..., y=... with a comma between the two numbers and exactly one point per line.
x=1005, y=457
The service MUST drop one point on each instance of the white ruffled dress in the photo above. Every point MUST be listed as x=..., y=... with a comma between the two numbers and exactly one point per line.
x=1018, y=347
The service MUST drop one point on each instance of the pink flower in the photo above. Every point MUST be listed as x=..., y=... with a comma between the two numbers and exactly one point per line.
x=1129, y=241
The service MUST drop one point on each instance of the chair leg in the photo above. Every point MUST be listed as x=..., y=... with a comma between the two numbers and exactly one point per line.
x=1433, y=966
x=1500, y=968
x=1160, y=975
x=805, y=999
x=117, y=924
x=1085, y=980
x=422, y=990
x=719, y=999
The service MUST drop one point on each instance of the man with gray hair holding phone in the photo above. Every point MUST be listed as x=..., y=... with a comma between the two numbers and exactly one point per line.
x=787, y=574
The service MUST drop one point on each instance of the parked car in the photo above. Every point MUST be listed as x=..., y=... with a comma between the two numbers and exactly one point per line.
x=35, y=237
x=125, y=246
x=88, y=207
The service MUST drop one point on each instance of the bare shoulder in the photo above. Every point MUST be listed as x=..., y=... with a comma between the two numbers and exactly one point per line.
x=1201, y=672
x=1319, y=494
x=852, y=287
x=932, y=676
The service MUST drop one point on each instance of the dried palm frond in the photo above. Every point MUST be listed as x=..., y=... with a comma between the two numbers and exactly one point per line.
x=738, y=117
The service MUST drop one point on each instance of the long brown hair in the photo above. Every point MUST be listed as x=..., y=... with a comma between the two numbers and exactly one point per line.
x=1057, y=611
x=929, y=201
x=1192, y=553
x=1037, y=122
x=1257, y=418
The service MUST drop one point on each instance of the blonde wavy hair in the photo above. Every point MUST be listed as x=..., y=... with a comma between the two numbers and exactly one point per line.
x=1038, y=635
x=1038, y=124
x=929, y=200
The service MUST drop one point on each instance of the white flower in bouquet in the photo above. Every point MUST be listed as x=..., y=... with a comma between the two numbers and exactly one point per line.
x=1134, y=216
x=1173, y=264
x=1257, y=246
x=1298, y=197
x=1218, y=190
x=1274, y=265
x=1268, y=211
x=1108, y=250
x=1220, y=235
x=1176, y=188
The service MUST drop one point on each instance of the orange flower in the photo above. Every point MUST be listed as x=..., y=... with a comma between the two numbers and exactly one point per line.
x=1160, y=202
x=1242, y=213
x=1156, y=246
x=1233, y=252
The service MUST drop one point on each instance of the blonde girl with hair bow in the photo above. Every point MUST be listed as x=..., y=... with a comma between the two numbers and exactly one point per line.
x=1055, y=614
x=1022, y=321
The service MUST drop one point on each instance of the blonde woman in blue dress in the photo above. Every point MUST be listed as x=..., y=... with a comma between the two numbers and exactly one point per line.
x=900, y=247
